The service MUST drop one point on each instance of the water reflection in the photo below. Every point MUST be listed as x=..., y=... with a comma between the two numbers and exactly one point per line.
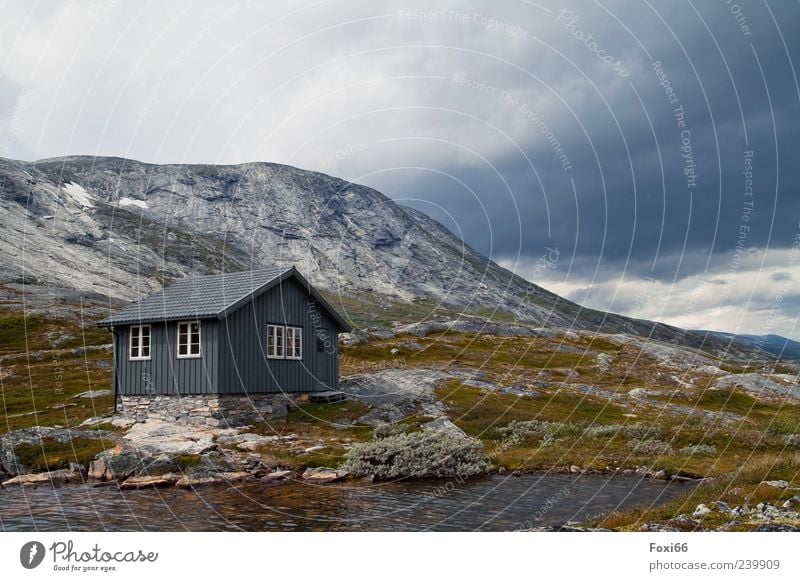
x=495, y=503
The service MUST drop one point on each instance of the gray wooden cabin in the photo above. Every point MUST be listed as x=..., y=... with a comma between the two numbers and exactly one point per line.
x=265, y=331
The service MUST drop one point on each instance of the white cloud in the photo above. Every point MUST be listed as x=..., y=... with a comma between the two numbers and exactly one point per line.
x=748, y=299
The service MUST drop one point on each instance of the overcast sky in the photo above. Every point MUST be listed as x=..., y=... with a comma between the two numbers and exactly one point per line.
x=650, y=151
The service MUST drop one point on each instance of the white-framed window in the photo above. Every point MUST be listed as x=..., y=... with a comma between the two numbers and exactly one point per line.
x=294, y=343
x=275, y=339
x=188, y=339
x=140, y=343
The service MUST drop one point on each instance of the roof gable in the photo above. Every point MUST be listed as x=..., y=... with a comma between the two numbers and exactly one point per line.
x=213, y=296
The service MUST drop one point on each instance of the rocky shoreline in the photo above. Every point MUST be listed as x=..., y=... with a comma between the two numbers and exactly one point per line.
x=159, y=454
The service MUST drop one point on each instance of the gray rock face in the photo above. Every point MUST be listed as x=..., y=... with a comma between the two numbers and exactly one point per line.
x=121, y=228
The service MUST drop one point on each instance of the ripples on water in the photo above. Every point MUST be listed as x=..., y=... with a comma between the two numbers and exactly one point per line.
x=494, y=503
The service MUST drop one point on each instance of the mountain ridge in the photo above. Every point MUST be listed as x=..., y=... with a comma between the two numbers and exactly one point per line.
x=123, y=228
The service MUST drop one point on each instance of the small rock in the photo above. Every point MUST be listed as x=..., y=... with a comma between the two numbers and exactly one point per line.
x=776, y=483
x=97, y=469
x=323, y=475
x=277, y=476
x=186, y=482
x=139, y=482
x=701, y=511
x=395, y=351
x=53, y=478
x=251, y=446
x=93, y=394
x=575, y=469
x=683, y=523
x=94, y=421
x=722, y=506
x=313, y=449
x=740, y=511
x=123, y=423
x=234, y=476
x=661, y=475
x=793, y=502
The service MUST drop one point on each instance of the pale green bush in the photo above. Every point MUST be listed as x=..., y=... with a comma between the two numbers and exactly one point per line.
x=417, y=455
x=650, y=447
x=698, y=450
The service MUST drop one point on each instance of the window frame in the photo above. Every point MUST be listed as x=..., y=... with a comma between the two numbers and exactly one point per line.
x=297, y=332
x=188, y=334
x=272, y=349
x=139, y=342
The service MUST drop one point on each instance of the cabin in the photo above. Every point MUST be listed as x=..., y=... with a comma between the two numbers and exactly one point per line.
x=226, y=345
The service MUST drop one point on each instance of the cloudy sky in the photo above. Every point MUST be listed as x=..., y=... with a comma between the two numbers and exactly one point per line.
x=651, y=148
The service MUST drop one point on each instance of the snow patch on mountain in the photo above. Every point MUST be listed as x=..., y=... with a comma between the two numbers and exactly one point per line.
x=78, y=194
x=131, y=202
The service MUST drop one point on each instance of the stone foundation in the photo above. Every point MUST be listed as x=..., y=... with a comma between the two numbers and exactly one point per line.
x=209, y=410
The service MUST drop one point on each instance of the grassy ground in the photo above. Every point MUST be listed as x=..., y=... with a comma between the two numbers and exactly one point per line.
x=44, y=366
x=331, y=426
x=682, y=424
x=742, y=486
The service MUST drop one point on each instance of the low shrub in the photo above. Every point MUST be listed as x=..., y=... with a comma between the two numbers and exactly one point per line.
x=698, y=450
x=417, y=455
x=650, y=447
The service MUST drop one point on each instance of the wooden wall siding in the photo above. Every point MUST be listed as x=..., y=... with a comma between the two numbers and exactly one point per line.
x=243, y=364
x=164, y=373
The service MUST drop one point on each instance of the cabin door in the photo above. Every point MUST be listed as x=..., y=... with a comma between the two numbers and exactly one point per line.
x=322, y=360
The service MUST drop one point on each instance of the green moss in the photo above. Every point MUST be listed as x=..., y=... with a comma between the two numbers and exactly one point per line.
x=185, y=461
x=51, y=454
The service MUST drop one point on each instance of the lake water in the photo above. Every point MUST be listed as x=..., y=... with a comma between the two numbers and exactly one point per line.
x=493, y=503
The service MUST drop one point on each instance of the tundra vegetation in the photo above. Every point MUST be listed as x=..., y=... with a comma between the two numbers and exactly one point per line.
x=555, y=401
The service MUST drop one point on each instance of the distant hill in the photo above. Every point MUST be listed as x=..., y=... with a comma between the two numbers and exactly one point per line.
x=772, y=344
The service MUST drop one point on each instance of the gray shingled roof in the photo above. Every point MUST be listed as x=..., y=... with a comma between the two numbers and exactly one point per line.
x=205, y=297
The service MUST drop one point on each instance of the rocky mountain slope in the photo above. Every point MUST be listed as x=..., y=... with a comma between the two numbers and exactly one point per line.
x=122, y=228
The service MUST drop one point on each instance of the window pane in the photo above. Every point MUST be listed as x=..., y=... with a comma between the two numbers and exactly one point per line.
x=146, y=351
x=145, y=332
x=182, y=349
x=279, y=341
x=134, y=351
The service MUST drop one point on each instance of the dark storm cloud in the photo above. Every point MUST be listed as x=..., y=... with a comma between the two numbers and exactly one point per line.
x=521, y=126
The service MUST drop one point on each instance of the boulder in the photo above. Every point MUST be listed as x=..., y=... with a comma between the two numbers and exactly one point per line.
x=443, y=424
x=124, y=423
x=775, y=483
x=52, y=478
x=324, y=475
x=117, y=464
x=701, y=511
x=275, y=477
